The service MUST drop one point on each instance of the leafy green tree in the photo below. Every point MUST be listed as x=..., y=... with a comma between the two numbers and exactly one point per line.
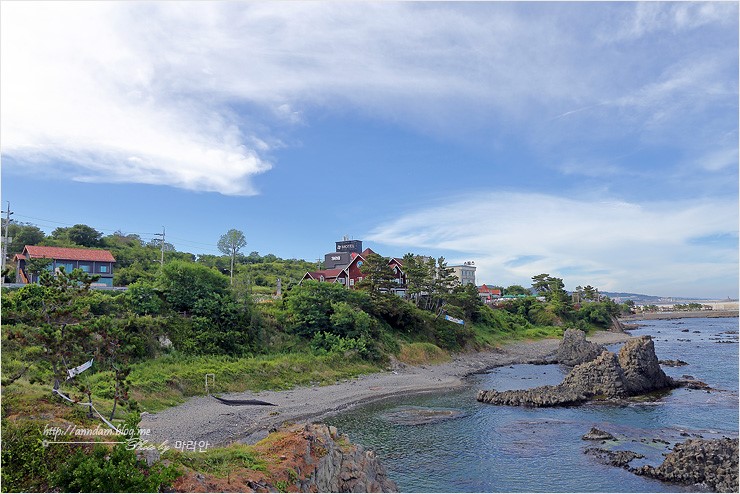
x=550, y=287
x=516, y=290
x=230, y=244
x=310, y=305
x=183, y=284
x=221, y=325
x=377, y=274
x=23, y=234
x=143, y=298
x=589, y=292
x=79, y=234
x=417, y=275
x=466, y=298
x=351, y=322
x=442, y=283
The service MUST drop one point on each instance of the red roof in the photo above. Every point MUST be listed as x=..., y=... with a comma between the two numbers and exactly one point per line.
x=367, y=252
x=487, y=289
x=68, y=253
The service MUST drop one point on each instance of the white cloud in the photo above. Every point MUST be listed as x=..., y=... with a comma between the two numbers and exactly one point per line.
x=612, y=244
x=720, y=159
x=651, y=17
x=167, y=83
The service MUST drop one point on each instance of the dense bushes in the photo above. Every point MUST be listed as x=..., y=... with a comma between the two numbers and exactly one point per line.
x=31, y=465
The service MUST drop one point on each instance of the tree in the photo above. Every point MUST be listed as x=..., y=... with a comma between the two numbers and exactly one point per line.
x=230, y=244
x=23, y=234
x=443, y=283
x=183, y=284
x=589, y=292
x=378, y=275
x=416, y=274
x=549, y=286
x=79, y=234
x=38, y=265
x=516, y=290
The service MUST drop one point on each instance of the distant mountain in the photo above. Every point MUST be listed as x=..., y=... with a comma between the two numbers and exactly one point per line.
x=641, y=299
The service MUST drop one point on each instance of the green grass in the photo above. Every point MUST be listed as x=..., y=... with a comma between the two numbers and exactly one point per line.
x=488, y=336
x=171, y=379
x=219, y=461
x=422, y=353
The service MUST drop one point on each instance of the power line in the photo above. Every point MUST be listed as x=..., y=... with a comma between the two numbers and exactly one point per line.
x=144, y=236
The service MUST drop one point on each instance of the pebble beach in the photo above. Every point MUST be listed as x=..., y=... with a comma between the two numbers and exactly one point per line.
x=203, y=419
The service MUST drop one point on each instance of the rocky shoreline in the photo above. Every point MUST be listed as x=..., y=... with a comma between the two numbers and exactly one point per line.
x=308, y=458
x=707, y=463
x=633, y=371
x=204, y=419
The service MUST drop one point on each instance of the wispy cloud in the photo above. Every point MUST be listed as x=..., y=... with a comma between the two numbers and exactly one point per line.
x=192, y=94
x=613, y=244
x=645, y=18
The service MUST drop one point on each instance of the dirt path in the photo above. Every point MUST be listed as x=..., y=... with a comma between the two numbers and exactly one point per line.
x=203, y=418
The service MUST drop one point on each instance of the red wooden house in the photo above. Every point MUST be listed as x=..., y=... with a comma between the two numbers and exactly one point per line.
x=351, y=274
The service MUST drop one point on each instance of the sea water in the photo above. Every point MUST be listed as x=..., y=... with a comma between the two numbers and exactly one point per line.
x=490, y=448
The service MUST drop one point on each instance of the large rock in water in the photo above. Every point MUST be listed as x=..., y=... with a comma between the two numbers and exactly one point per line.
x=642, y=372
x=635, y=371
x=575, y=349
x=602, y=377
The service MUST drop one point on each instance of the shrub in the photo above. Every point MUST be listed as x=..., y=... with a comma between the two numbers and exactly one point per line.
x=184, y=284
x=143, y=298
x=422, y=353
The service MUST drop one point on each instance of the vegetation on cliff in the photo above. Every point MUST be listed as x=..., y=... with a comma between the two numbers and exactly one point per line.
x=151, y=346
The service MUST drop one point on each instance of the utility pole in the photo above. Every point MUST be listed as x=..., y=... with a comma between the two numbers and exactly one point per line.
x=161, y=260
x=8, y=212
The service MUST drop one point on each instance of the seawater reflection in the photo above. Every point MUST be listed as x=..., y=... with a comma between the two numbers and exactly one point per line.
x=510, y=449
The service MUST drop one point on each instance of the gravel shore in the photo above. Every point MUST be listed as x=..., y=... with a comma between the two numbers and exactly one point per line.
x=203, y=418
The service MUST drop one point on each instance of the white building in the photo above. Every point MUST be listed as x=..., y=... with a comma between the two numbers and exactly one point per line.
x=465, y=272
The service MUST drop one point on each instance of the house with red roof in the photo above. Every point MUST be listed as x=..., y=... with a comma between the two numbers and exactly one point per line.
x=351, y=274
x=93, y=261
x=488, y=294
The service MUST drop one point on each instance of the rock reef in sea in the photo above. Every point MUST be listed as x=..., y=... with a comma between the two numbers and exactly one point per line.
x=633, y=371
x=709, y=462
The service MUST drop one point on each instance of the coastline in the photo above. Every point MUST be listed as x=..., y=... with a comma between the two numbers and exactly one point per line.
x=651, y=316
x=203, y=418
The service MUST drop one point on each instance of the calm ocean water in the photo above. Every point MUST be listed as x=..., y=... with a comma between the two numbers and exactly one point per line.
x=510, y=449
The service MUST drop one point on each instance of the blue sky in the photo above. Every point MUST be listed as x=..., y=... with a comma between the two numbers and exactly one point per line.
x=597, y=142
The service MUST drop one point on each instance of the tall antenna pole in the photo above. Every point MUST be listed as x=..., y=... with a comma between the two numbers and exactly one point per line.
x=161, y=259
x=8, y=212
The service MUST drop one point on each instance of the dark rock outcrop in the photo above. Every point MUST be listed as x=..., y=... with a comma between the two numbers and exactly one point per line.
x=602, y=377
x=619, y=459
x=345, y=467
x=673, y=363
x=712, y=462
x=635, y=370
x=543, y=396
x=642, y=371
x=597, y=435
x=574, y=349
x=301, y=458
